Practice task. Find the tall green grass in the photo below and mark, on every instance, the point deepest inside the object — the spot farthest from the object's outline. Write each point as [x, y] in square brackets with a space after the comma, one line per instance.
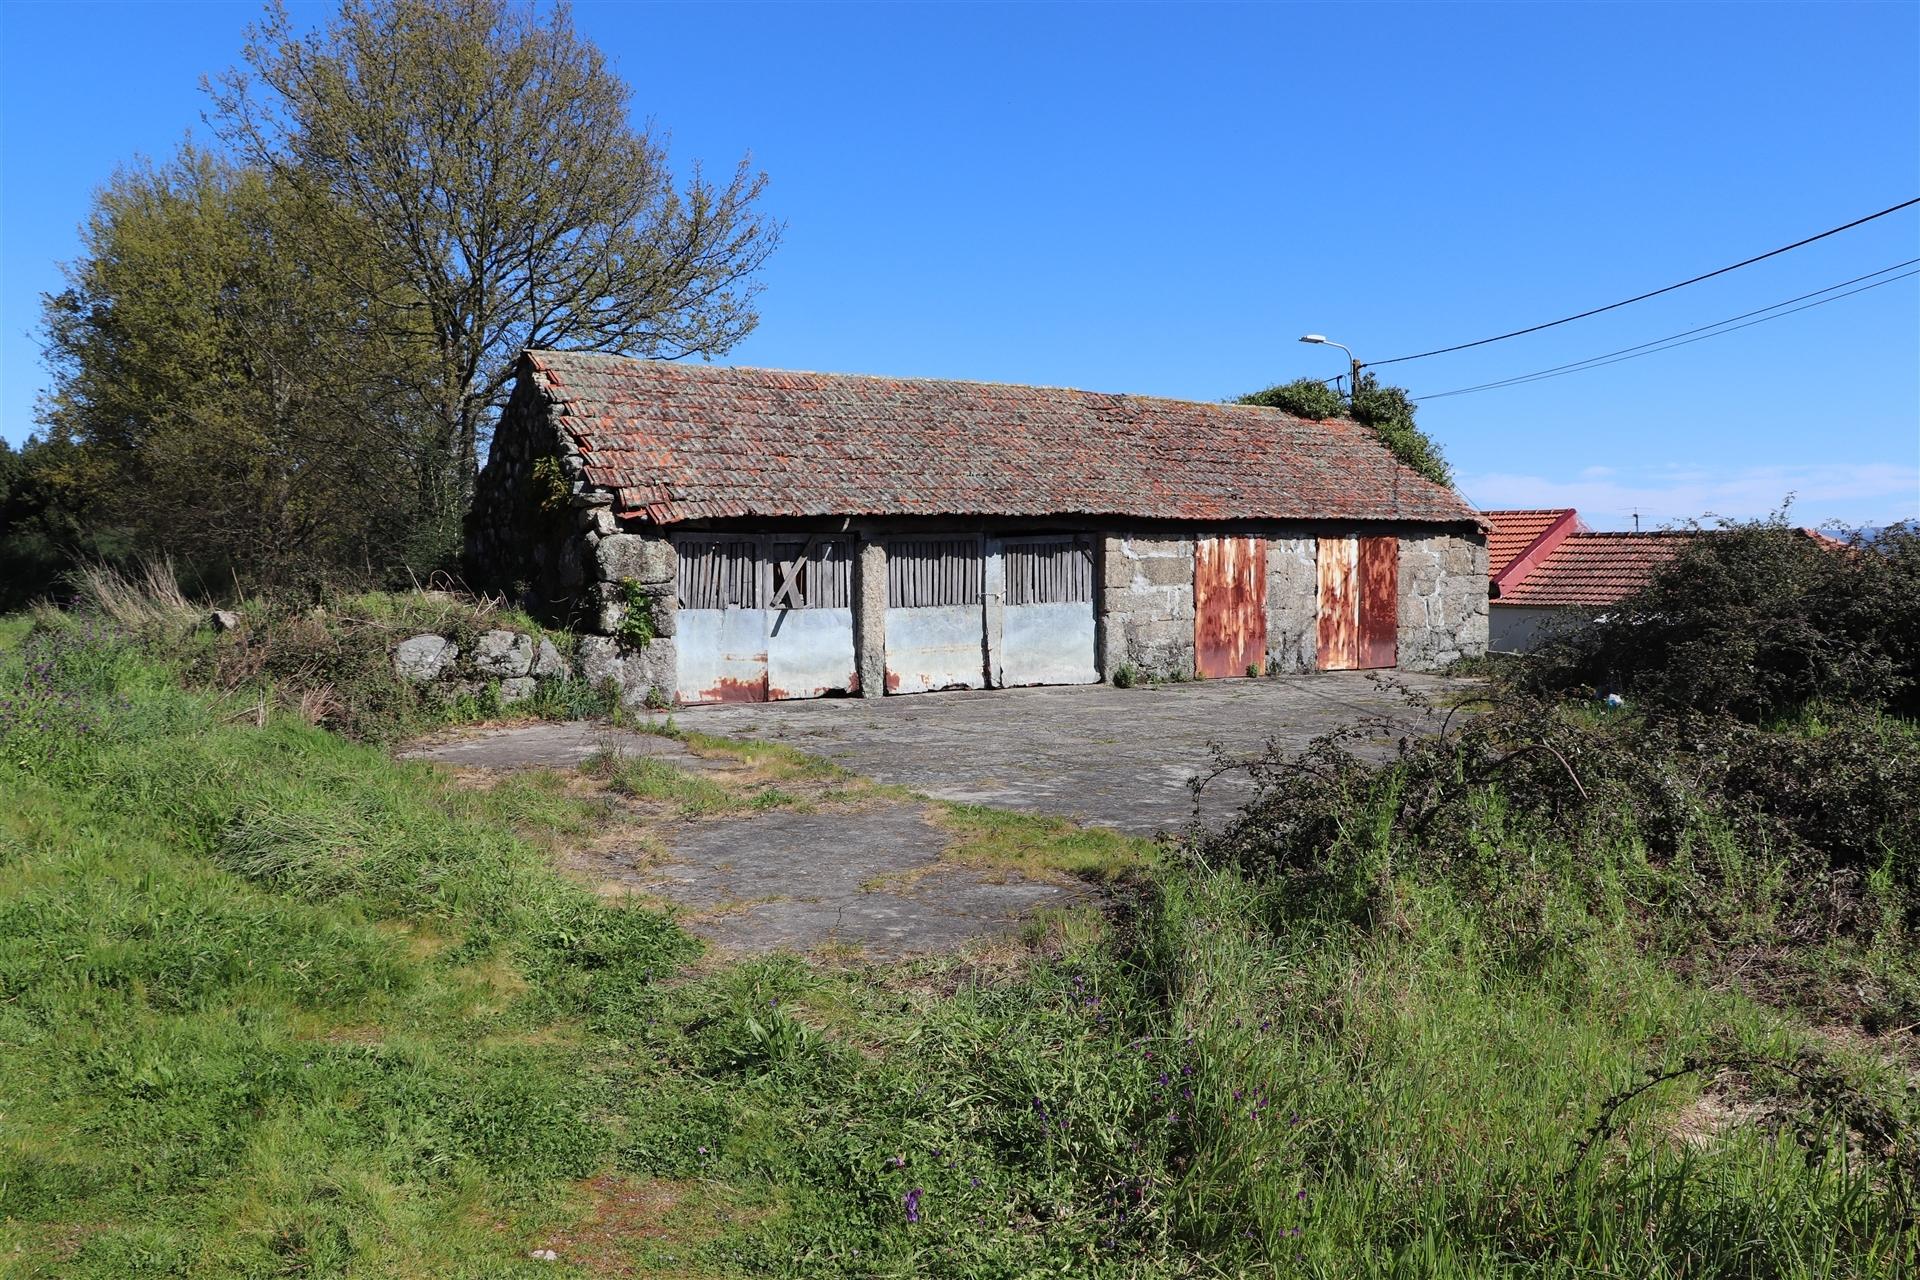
[274, 1004]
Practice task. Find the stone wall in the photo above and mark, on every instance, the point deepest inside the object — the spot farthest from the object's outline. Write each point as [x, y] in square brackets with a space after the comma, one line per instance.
[1146, 604]
[1293, 604]
[549, 539]
[1443, 599]
[512, 664]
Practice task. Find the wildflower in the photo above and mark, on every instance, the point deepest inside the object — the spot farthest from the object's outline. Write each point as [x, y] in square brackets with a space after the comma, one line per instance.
[912, 1203]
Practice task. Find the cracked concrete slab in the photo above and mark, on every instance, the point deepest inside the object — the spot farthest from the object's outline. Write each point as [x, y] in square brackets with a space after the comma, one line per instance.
[873, 877]
[1094, 753]
[548, 744]
[870, 878]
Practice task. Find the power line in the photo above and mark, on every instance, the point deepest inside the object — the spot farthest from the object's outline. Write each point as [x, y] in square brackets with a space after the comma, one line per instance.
[1671, 341]
[1615, 306]
[1576, 364]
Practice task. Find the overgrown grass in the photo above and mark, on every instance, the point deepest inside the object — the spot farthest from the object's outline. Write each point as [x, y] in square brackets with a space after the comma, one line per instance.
[689, 794]
[1037, 844]
[273, 1003]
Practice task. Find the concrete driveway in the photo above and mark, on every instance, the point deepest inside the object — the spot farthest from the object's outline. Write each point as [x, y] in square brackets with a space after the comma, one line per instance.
[1119, 757]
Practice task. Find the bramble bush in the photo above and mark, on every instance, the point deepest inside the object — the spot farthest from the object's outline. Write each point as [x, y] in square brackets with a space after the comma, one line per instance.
[1759, 620]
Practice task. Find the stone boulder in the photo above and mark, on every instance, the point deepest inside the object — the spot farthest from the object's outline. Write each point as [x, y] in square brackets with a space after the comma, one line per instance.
[424, 658]
[506, 654]
[625, 556]
[634, 673]
[547, 662]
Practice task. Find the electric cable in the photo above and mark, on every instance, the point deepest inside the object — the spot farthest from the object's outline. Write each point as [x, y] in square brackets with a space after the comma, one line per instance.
[1615, 306]
[1671, 341]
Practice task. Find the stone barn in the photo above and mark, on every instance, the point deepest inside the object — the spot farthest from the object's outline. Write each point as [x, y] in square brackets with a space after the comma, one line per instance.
[730, 534]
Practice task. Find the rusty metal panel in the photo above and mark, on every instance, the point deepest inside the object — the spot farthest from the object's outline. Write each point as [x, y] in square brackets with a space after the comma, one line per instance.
[721, 655]
[1379, 564]
[1229, 606]
[1339, 630]
[1048, 644]
[936, 616]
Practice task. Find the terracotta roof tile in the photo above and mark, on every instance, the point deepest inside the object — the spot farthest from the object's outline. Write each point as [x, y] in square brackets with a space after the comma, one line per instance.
[1595, 569]
[1513, 532]
[682, 442]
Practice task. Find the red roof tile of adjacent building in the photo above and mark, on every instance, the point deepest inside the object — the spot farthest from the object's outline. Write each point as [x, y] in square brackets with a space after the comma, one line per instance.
[1595, 569]
[1515, 531]
[680, 442]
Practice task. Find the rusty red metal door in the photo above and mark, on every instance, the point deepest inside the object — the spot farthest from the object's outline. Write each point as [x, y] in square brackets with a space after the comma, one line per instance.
[1229, 606]
[1379, 602]
[1359, 625]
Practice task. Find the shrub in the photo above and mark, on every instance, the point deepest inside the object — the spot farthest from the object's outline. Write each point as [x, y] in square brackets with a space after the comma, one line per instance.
[1726, 831]
[1760, 620]
[1303, 398]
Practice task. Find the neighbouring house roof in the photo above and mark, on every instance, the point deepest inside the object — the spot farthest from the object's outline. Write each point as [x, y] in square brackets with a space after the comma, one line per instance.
[1594, 569]
[1513, 533]
[678, 442]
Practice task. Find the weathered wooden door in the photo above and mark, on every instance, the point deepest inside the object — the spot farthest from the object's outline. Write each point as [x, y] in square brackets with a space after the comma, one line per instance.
[1359, 625]
[763, 618]
[1229, 606]
[936, 614]
[1045, 617]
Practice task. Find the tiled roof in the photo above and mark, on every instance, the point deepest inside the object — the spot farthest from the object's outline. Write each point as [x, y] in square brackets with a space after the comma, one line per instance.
[1595, 569]
[1514, 531]
[686, 442]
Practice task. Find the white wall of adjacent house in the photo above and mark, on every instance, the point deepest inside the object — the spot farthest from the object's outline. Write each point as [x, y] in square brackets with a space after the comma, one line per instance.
[1522, 628]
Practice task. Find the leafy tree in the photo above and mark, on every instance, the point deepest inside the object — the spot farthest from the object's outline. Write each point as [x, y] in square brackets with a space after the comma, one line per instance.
[1385, 409]
[502, 199]
[220, 388]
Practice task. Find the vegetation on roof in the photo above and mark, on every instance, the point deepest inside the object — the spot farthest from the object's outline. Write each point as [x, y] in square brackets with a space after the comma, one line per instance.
[1385, 410]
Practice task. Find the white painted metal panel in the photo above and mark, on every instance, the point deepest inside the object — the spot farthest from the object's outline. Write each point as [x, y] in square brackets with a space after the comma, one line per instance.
[936, 616]
[810, 653]
[1048, 644]
[721, 655]
[1046, 627]
[935, 647]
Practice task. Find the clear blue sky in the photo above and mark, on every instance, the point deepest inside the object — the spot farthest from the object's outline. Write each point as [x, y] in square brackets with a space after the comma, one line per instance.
[1161, 199]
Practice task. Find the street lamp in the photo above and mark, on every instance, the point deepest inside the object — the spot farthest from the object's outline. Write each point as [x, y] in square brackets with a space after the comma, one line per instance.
[1353, 361]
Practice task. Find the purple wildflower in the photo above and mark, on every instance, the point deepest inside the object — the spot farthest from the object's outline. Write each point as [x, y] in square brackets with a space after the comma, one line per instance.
[912, 1203]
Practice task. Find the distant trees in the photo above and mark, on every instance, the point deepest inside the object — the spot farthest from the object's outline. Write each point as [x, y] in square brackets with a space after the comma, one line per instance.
[283, 361]
[1384, 409]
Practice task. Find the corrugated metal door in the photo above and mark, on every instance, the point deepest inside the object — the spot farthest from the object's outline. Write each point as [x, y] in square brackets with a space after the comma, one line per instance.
[936, 619]
[763, 618]
[1229, 606]
[1046, 622]
[1359, 603]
